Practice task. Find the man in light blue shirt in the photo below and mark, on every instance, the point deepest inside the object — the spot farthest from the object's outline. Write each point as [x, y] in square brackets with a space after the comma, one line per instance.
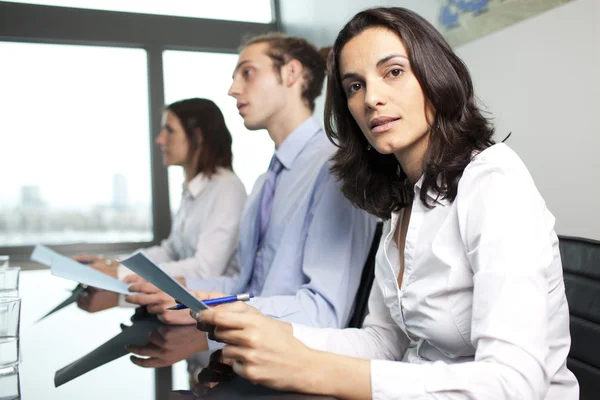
[315, 246]
[307, 266]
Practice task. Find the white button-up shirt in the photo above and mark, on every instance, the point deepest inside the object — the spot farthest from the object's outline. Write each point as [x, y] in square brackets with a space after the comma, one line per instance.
[205, 230]
[482, 296]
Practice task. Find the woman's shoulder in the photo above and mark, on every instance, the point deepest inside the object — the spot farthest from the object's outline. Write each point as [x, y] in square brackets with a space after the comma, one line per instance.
[498, 172]
[227, 178]
[497, 159]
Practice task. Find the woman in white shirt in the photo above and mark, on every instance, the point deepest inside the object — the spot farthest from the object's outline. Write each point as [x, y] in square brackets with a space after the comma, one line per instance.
[204, 232]
[468, 269]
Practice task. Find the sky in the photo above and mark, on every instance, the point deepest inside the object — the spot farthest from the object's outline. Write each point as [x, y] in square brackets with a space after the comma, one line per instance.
[73, 116]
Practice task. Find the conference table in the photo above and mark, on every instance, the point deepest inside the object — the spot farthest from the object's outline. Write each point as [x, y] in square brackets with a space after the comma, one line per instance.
[50, 344]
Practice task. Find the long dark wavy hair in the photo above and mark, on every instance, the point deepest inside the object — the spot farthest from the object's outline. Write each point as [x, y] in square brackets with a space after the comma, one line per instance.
[203, 117]
[375, 182]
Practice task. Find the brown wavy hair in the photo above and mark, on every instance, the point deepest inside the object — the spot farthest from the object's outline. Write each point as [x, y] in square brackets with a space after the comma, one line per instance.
[283, 48]
[204, 115]
[375, 182]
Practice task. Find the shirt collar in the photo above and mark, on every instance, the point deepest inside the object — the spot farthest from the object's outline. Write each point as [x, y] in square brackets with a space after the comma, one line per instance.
[430, 194]
[196, 185]
[291, 147]
[417, 190]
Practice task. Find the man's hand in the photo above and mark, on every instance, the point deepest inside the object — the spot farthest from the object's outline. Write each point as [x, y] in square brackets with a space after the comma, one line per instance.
[158, 301]
[148, 295]
[182, 317]
[167, 345]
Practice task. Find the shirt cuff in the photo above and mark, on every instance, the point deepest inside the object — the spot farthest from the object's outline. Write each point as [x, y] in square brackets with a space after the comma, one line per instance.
[314, 338]
[395, 379]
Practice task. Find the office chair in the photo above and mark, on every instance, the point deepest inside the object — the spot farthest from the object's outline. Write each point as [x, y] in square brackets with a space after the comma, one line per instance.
[581, 269]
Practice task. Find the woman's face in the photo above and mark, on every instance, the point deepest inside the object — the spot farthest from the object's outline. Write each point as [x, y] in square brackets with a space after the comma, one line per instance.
[383, 94]
[172, 140]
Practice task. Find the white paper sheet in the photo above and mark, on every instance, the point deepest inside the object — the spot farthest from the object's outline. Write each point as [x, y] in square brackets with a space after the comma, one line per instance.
[67, 268]
[144, 267]
[43, 254]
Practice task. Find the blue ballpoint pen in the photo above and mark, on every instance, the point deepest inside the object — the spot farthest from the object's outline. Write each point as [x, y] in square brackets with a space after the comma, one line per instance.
[217, 301]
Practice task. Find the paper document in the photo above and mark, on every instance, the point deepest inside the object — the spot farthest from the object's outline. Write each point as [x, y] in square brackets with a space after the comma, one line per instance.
[144, 267]
[43, 254]
[67, 268]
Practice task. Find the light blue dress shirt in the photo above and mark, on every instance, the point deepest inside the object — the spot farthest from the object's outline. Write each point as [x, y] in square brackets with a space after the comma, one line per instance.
[315, 245]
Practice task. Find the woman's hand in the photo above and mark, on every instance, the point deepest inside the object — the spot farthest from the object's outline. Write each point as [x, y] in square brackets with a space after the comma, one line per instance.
[93, 300]
[261, 349]
[107, 266]
[86, 258]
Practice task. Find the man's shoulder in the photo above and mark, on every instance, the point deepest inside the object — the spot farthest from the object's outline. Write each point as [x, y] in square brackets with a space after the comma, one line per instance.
[318, 150]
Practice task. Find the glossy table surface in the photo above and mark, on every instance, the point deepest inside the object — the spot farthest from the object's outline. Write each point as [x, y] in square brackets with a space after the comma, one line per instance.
[67, 335]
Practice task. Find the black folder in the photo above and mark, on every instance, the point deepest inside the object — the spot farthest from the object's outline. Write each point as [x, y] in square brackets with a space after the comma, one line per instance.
[137, 335]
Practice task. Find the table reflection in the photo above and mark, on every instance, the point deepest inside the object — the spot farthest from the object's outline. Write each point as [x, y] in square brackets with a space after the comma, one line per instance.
[69, 334]
[10, 385]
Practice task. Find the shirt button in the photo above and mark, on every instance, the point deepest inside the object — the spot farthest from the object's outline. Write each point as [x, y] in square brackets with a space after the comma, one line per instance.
[258, 254]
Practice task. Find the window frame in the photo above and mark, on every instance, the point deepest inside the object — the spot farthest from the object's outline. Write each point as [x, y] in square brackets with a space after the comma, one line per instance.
[30, 23]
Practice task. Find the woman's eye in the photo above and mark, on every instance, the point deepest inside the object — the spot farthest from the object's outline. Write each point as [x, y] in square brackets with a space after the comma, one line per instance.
[355, 87]
[395, 72]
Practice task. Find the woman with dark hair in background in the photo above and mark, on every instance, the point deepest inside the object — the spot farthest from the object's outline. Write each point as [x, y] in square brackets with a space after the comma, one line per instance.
[204, 232]
[468, 267]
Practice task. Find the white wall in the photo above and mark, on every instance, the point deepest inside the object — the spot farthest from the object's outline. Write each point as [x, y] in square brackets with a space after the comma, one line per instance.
[539, 78]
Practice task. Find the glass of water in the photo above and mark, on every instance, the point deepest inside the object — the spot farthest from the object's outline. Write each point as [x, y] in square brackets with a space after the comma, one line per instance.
[10, 315]
[9, 282]
[10, 388]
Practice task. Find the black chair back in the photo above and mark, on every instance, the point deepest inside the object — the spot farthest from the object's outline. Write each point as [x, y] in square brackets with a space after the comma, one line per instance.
[581, 268]
[361, 301]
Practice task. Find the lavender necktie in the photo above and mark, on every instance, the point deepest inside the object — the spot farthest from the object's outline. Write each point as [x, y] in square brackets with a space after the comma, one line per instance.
[266, 196]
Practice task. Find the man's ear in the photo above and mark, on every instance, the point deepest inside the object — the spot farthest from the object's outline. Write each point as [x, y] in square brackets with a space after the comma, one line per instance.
[293, 72]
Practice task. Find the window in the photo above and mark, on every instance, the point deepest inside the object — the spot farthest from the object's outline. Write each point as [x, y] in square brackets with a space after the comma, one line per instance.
[75, 155]
[81, 110]
[232, 10]
[208, 75]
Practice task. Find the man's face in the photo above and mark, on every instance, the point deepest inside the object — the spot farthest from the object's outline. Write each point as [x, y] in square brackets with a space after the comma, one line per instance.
[257, 87]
